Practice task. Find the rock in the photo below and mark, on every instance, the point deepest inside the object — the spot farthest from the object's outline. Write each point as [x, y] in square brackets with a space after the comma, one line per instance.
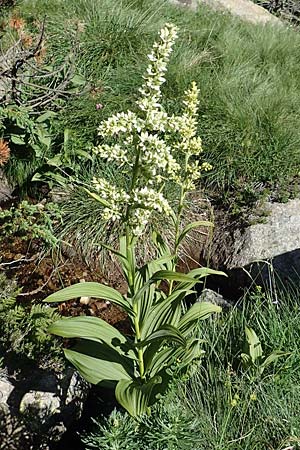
[244, 9]
[272, 246]
[6, 189]
[192, 4]
[41, 406]
[208, 295]
[280, 234]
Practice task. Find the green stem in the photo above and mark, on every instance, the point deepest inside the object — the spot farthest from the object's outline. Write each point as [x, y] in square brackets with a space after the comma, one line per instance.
[138, 339]
[130, 255]
[177, 223]
[130, 250]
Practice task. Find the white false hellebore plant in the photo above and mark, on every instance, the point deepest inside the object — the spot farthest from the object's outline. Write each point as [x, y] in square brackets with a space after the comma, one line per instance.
[163, 333]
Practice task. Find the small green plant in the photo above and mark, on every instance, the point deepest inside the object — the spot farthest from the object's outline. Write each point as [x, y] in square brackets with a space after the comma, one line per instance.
[23, 329]
[253, 358]
[30, 220]
[150, 147]
[29, 136]
[171, 426]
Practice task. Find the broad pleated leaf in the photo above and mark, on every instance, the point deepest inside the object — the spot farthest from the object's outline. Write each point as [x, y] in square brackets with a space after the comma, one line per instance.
[163, 249]
[198, 274]
[199, 311]
[274, 356]
[135, 397]
[92, 328]
[166, 311]
[89, 289]
[182, 356]
[156, 360]
[99, 362]
[171, 276]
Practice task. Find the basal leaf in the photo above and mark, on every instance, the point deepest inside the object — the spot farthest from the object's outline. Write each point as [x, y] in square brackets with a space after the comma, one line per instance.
[85, 327]
[135, 397]
[99, 362]
[255, 348]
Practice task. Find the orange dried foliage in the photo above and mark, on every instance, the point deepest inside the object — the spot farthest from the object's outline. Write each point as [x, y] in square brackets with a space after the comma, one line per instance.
[17, 23]
[40, 55]
[26, 40]
[4, 152]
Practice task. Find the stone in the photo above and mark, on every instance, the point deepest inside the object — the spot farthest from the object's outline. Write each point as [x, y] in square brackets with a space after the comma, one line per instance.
[280, 234]
[6, 389]
[192, 4]
[6, 189]
[208, 295]
[39, 405]
[244, 9]
[271, 247]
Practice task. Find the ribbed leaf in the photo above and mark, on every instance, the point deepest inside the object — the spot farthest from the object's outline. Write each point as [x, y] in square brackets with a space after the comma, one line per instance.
[89, 289]
[165, 332]
[166, 311]
[99, 362]
[92, 328]
[135, 397]
[255, 348]
[198, 274]
[163, 249]
[274, 356]
[158, 360]
[199, 311]
[172, 276]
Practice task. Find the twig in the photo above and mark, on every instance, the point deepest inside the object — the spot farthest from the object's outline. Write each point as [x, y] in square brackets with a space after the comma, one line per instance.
[17, 261]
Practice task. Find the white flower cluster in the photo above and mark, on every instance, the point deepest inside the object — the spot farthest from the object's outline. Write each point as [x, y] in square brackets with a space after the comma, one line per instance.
[112, 153]
[124, 122]
[149, 145]
[156, 157]
[114, 197]
[145, 201]
[155, 74]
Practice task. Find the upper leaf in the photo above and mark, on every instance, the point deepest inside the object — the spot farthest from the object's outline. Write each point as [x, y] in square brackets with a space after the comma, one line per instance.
[199, 311]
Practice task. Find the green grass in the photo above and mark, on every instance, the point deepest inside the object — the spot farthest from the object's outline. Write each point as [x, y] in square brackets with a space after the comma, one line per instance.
[248, 76]
[223, 406]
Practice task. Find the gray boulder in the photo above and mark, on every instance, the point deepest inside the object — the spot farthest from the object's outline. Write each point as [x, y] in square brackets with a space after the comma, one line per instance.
[36, 410]
[271, 247]
[245, 10]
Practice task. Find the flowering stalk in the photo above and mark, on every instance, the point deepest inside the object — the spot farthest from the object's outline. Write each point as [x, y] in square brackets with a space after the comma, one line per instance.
[143, 146]
[149, 147]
